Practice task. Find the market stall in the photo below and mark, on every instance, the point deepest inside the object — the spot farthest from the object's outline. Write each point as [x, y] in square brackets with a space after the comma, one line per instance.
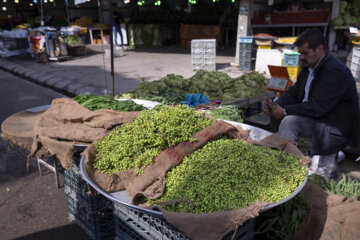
[290, 17]
[75, 39]
[13, 43]
[73, 188]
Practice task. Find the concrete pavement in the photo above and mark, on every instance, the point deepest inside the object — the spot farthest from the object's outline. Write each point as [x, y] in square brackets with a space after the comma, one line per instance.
[91, 73]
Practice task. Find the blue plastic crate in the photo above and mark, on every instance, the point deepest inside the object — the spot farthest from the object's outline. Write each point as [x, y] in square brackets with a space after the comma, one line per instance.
[244, 56]
[79, 190]
[97, 225]
[130, 224]
[147, 227]
[245, 65]
[246, 40]
[291, 60]
[124, 232]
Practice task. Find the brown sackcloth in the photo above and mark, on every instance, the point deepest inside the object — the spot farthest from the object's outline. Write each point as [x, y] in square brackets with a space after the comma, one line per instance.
[329, 216]
[151, 182]
[216, 225]
[56, 130]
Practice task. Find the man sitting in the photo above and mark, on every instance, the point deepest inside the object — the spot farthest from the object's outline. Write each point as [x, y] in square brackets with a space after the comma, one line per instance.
[321, 105]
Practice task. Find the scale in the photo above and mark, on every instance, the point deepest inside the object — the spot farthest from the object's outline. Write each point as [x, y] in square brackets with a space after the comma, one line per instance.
[280, 81]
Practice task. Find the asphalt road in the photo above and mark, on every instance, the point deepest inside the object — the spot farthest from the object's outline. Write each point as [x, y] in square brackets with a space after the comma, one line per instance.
[31, 206]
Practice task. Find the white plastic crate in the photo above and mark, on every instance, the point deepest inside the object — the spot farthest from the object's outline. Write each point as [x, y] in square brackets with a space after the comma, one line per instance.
[354, 62]
[197, 58]
[203, 52]
[197, 43]
[209, 68]
[196, 67]
[210, 44]
[209, 51]
[209, 59]
[197, 50]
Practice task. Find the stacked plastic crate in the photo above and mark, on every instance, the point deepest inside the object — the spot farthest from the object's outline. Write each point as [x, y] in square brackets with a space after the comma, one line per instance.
[203, 54]
[245, 44]
[353, 62]
[292, 62]
[134, 225]
[92, 212]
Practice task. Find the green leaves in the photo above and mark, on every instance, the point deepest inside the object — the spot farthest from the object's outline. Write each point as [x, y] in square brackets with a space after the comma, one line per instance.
[92, 102]
[137, 143]
[214, 85]
[346, 186]
[227, 112]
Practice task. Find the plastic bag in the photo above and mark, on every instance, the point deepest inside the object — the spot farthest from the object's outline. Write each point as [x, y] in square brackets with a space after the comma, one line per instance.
[324, 165]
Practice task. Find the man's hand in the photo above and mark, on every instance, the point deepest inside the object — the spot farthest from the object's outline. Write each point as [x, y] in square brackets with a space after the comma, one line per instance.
[273, 109]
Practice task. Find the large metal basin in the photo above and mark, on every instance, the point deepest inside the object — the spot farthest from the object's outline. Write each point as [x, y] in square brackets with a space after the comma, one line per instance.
[122, 197]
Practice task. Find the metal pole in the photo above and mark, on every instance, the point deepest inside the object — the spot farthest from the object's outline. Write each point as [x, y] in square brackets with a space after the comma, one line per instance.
[112, 48]
[41, 13]
[67, 12]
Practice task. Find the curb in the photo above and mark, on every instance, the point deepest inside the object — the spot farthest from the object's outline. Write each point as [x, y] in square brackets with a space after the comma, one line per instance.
[67, 87]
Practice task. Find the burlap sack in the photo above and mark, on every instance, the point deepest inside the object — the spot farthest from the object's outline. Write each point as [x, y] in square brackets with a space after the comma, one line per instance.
[56, 130]
[151, 183]
[329, 216]
[214, 226]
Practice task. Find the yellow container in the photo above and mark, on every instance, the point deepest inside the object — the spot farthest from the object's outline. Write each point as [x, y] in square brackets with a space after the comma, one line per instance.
[293, 72]
[264, 47]
[83, 30]
[356, 40]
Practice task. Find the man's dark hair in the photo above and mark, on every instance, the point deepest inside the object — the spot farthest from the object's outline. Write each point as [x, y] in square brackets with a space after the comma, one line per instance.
[314, 37]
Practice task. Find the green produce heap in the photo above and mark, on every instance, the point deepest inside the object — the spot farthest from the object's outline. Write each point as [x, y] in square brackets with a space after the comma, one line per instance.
[227, 112]
[92, 103]
[214, 85]
[136, 144]
[349, 13]
[231, 174]
[72, 40]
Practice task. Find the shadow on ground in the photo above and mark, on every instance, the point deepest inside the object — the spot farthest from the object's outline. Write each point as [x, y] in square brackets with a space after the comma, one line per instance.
[67, 232]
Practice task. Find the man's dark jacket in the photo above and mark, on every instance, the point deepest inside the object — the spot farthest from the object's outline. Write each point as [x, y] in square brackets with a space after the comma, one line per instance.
[333, 98]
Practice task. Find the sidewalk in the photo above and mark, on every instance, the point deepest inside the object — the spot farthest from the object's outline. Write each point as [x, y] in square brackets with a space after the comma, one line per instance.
[91, 73]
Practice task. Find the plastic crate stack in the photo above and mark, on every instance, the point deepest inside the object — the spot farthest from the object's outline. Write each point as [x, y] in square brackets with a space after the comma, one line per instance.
[203, 54]
[353, 62]
[292, 62]
[92, 212]
[245, 44]
[134, 225]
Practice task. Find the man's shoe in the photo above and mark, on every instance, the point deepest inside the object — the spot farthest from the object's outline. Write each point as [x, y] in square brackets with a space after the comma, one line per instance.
[340, 156]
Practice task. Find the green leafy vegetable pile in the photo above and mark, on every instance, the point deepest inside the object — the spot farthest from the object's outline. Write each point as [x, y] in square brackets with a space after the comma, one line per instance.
[346, 186]
[214, 85]
[92, 103]
[136, 144]
[349, 13]
[72, 40]
[227, 112]
[230, 174]
[281, 222]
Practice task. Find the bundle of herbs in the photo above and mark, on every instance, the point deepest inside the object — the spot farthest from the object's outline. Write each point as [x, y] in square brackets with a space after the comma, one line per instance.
[92, 103]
